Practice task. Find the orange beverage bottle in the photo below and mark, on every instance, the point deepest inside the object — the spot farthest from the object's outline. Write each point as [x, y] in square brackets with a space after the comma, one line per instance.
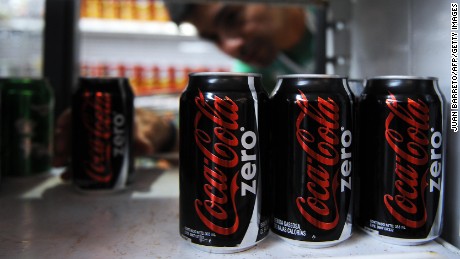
[143, 9]
[84, 69]
[172, 84]
[161, 14]
[186, 71]
[99, 70]
[83, 9]
[92, 70]
[152, 12]
[127, 9]
[109, 9]
[138, 79]
[93, 8]
[121, 70]
[156, 77]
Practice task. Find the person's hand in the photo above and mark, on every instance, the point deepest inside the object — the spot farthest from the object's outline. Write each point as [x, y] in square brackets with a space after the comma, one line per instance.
[151, 133]
[62, 139]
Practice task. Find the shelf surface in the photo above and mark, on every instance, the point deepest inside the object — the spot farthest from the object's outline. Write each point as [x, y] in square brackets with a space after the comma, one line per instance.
[161, 102]
[132, 27]
[22, 24]
[43, 217]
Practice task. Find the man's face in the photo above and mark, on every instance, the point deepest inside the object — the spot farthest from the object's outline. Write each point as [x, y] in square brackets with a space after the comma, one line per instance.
[247, 32]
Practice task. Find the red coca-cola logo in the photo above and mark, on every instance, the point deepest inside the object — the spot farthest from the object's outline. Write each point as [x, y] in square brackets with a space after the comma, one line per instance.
[96, 119]
[214, 211]
[320, 206]
[407, 133]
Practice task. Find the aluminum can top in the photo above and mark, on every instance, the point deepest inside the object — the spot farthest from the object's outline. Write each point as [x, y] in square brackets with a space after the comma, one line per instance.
[400, 84]
[309, 76]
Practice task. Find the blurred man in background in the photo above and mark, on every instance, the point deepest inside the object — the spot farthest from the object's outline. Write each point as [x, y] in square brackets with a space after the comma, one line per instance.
[267, 39]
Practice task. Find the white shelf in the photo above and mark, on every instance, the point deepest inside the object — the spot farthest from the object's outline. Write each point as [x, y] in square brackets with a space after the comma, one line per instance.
[22, 24]
[135, 28]
[43, 217]
[159, 102]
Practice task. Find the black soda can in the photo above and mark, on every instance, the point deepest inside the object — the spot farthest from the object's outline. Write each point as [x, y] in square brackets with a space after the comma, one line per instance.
[222, 136]
[312, 159]
[27, 126]
[102, 118]
[401, 158]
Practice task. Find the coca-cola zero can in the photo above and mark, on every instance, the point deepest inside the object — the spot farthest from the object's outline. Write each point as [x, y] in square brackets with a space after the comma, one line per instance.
[102, 128]
[400, 159]
[222, 135]
[312, 159]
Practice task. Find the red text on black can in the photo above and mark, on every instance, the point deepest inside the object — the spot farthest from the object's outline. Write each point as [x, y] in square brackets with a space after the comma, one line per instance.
[312, 159]
[221, 171]
[102, 119]
[401, 159]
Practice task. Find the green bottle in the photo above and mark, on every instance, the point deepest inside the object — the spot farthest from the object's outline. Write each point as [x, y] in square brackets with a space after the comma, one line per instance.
[26, 126]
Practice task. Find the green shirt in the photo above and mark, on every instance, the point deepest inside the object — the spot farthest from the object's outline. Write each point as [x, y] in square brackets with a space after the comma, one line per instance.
[301, 54]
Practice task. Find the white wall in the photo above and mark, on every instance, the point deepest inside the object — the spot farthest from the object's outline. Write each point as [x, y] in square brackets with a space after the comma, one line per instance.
[410, 37]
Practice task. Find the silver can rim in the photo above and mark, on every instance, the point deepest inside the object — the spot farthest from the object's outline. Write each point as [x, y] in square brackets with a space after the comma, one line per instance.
[224, 74]
[404, 77]
[308, 76]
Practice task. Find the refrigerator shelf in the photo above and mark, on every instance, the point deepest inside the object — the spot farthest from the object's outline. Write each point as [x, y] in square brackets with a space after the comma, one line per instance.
[135, 28]
[44, 217]
[159, 101]
[22, 24]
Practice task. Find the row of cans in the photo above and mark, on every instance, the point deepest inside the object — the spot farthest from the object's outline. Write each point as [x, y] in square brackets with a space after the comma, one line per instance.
[309, 161]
